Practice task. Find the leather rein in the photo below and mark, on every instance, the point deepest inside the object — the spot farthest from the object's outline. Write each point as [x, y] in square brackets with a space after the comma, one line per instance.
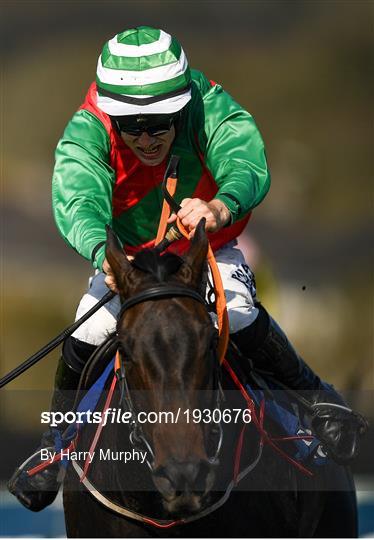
[160, 292]
[136, 435]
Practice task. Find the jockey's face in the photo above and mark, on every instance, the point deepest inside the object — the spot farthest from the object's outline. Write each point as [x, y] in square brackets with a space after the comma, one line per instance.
[150, 149]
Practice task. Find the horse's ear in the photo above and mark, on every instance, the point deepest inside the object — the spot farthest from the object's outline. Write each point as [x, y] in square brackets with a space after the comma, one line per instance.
[192, 273]
[116, 258]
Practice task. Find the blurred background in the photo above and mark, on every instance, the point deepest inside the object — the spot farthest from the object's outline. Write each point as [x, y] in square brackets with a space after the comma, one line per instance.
[304, 70]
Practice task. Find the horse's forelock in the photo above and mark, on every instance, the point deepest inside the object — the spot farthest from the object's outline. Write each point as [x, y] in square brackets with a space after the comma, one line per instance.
[159, 266]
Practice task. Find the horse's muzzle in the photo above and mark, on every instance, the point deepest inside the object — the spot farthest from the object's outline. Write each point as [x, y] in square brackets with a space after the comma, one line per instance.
[183, 484]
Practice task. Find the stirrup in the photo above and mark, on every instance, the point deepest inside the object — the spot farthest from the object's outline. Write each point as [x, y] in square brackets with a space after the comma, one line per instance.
[40, 490]
[339, 429]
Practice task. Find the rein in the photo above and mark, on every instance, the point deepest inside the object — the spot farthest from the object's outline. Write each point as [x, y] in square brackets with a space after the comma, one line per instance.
[157, 293]
[136, 435]
[176, 232]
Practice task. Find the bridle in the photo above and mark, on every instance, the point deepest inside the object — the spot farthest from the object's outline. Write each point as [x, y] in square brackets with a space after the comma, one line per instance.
[157, 293]
[137, 437]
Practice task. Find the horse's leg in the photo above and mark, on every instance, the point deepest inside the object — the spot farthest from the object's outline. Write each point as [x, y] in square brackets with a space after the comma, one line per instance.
[340, 517]
[330, 510]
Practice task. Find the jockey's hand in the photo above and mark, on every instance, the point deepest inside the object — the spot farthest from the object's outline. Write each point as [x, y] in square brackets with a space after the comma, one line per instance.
[110, 280]
[215, 212]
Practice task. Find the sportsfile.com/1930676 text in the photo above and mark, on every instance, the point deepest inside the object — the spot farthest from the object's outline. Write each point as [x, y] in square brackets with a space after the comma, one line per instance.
[114, 415]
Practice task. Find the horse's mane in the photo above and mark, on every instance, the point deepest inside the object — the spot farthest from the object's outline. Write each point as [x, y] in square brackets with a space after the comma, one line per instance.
[159, 266]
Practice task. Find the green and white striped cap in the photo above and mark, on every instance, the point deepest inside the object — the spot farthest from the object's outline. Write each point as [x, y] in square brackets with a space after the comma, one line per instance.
[142, 71]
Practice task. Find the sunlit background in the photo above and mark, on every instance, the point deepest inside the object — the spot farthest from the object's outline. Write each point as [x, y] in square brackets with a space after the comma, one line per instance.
[304, 70]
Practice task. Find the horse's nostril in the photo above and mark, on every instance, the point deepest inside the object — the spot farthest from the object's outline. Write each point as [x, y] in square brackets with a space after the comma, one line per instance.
[183, 476]
[164, 485]
[183, 486]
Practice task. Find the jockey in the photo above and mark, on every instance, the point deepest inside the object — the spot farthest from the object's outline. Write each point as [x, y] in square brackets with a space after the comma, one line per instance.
[145, 105]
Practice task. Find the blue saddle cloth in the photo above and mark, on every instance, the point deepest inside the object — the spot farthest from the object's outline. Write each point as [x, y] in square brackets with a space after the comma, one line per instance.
[293, 421]
[87, 403]
[281, 409]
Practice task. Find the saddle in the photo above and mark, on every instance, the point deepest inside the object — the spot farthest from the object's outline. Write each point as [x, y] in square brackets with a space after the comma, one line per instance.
[318, 431]
[294, 420]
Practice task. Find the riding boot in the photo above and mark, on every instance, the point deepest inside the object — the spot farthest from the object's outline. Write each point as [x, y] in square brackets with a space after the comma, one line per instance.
[336, 426]
[40, 490]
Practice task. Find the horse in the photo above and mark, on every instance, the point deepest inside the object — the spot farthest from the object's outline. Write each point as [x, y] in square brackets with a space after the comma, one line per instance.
[166, 345]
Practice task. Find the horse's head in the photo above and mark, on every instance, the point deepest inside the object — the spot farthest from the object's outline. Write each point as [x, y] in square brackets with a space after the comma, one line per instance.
[167, 345]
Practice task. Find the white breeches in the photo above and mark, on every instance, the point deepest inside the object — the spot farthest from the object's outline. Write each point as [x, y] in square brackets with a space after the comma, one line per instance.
[238, 282]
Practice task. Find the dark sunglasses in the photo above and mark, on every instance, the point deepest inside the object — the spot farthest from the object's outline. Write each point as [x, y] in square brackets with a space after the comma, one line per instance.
[154, 124]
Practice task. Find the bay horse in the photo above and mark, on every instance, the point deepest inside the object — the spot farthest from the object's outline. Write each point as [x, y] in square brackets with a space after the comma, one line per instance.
[166, 344]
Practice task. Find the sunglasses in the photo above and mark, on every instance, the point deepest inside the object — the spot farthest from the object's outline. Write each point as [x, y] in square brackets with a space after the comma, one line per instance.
[153, 125]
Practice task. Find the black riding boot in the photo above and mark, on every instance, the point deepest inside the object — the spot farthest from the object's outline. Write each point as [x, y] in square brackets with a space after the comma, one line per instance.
[337, 427]
[40, 490]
